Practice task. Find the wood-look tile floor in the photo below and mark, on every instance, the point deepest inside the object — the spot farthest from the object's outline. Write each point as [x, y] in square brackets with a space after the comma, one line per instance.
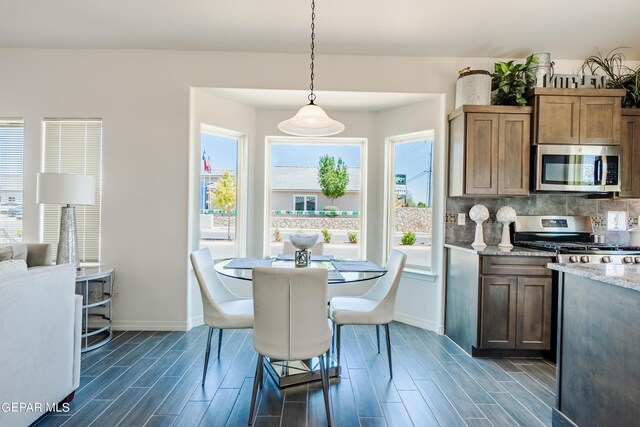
[153, 379]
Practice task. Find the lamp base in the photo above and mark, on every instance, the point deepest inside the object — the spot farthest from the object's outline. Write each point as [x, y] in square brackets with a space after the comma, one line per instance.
[68, 240]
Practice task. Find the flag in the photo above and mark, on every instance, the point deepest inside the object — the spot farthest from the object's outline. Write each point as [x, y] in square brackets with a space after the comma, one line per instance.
[206, 162]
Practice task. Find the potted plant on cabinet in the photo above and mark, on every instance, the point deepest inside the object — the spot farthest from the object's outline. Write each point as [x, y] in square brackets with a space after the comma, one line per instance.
[511, 82]
[619, 75]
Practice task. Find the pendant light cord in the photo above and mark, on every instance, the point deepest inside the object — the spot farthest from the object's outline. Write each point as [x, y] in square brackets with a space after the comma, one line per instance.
[312, 96]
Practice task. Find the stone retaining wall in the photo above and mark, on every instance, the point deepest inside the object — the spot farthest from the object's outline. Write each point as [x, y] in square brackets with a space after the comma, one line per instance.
[417, 220]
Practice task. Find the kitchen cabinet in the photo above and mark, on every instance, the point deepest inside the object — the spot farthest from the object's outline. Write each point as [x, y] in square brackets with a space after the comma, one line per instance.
[500, 305]
[489, 151]
[515, 310]
[630, 141]
[577, 116]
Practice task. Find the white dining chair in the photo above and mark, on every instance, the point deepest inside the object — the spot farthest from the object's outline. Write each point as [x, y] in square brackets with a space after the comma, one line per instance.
[316, 249]
[376, 307]
[290, 309]
[222, 309]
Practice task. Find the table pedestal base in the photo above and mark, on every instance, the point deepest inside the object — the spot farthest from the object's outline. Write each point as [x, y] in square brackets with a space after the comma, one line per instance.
[287, 373]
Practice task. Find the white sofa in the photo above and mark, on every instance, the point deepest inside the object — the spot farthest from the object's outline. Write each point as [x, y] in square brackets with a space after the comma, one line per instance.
[40, 327]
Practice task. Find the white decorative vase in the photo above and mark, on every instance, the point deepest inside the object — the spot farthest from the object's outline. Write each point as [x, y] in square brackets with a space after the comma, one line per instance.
[506, 215]
[479, 214]
[473, 88]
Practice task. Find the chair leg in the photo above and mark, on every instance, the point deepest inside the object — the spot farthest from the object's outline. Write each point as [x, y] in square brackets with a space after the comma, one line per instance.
[378, 337]
[338, 346]
[206, 355]
[325, 386]
[219, 342]
[386, 327]
[333, 338]
[256, 380]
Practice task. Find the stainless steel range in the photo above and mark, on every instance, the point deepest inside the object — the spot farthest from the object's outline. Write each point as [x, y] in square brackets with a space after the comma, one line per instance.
[571, 239]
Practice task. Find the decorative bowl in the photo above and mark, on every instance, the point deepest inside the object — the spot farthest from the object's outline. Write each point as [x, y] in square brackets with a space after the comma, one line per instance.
[303, 241]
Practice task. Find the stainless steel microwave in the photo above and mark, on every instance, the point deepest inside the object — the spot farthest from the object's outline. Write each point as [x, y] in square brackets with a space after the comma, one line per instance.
[581, 168]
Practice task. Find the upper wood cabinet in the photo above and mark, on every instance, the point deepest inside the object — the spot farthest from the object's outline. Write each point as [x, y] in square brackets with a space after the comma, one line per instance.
[577, 116]
[489, 150]
[630, 141]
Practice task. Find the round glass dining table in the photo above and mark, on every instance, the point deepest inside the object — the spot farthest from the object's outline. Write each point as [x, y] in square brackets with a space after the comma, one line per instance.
[335, 277]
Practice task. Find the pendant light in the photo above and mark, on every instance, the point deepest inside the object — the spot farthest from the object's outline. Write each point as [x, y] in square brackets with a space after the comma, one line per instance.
[311, 120]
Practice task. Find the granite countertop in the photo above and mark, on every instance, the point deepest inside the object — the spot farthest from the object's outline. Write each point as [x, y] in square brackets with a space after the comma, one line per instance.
[495, 250]
[625, 276]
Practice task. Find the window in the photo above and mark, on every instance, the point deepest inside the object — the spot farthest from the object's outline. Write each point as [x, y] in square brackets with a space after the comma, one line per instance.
[222, 183]
[75, 146]
[409, 197]
[304, 203]
[332, 210]
[11, 170]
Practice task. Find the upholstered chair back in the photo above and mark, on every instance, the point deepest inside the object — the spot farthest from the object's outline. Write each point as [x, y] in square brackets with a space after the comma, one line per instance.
[212, 290]
[290, 312]
[386, 289]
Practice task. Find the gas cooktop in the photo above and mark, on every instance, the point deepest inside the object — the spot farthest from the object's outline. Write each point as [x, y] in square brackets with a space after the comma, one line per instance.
[581, 247]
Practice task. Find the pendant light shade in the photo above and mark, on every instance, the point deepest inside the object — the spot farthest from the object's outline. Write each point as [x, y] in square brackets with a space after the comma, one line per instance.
[311, 120]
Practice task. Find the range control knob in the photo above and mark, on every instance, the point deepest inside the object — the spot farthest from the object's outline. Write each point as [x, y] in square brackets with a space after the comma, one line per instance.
[637, 260]
[606, 259]
[574, 258]
[627, 260]
[585, 259]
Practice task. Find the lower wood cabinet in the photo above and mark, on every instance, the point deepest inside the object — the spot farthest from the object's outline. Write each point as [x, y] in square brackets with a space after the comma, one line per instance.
[500, 305]
[515, 311]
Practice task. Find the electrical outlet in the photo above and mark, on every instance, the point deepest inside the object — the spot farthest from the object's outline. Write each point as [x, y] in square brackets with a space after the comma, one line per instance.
[462, 218]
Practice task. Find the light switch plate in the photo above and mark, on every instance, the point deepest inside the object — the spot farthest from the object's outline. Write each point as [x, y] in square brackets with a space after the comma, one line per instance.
[462, 218]
[616, 220]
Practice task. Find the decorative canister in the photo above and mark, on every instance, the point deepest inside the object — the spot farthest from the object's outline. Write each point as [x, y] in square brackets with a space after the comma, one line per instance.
[473, 87]
[542, 69]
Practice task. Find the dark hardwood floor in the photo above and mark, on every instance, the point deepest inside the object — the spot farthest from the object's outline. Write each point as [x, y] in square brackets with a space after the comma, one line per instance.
[153, 379]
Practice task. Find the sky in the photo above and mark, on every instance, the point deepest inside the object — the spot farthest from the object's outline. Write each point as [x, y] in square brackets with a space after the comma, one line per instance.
[411, 158]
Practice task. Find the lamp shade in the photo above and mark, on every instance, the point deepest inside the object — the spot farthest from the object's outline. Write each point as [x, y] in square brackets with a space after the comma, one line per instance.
[65, 189]
[311, 120]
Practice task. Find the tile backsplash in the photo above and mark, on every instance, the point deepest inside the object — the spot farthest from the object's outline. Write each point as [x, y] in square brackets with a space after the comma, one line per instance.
[539, 204]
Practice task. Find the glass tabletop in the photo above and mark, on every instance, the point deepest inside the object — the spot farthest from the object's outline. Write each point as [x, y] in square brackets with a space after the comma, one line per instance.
[335, 277]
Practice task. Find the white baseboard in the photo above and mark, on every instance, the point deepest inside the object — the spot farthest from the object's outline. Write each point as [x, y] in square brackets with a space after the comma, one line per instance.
[157, 325]
[196, 321]
[418, 322]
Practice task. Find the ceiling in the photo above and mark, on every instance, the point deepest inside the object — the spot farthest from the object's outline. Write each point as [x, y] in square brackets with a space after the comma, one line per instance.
[568, 29]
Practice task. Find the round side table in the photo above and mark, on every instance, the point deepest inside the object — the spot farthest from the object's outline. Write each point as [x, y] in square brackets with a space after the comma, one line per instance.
[95, 284]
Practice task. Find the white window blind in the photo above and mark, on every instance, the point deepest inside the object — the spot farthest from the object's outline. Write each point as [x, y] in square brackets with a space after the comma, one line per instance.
[75, 146]
[11, 170]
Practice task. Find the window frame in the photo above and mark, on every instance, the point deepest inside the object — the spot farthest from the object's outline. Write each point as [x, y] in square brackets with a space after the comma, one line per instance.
[98, 189]
[242, 181]
[287, 140]
[17, 122]
[389, 198]
[306, 200]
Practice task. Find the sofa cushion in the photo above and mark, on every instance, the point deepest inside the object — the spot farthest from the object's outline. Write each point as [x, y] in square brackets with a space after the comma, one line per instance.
[12, 266]
[6, 252]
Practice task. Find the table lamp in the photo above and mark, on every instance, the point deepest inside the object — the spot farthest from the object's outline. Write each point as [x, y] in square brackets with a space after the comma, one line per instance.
[66, 189]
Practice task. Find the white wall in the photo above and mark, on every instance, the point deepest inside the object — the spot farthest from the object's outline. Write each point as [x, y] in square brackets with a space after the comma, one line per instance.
[143, 97]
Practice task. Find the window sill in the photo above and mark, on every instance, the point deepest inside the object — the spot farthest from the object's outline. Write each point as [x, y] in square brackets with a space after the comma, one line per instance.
[417, 274]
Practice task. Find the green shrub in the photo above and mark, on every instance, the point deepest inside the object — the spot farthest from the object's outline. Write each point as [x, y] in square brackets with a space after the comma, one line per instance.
[276, 235]
[352, 236]
[326, 235]
[330, 208]
[408, 238]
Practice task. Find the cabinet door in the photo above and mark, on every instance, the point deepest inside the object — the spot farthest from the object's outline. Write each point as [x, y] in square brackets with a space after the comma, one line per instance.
[600, 120]
[498, 312]
[482, 154]
[558, 119]
[534, 313]
[514, 146]
[630, 168]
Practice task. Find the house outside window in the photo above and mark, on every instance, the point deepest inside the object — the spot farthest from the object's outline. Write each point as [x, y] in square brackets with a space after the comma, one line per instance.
[305, 203]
